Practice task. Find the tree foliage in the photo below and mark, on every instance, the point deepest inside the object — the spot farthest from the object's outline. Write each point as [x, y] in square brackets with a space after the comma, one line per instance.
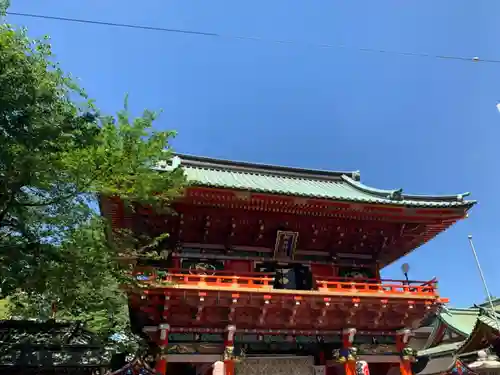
[4, 5]
[58, 153]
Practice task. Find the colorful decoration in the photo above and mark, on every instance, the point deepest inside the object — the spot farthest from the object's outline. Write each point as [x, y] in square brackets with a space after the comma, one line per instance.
[345, 354]
[362, 368]
[206, 267]
[181, 349]
[460, 369]
[377, 349]
[202, 269]
[409, 354]
[229, 354]
[355, 272]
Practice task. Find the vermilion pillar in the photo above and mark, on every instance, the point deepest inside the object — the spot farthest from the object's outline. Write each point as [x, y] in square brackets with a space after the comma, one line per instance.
[229, 350]
[161, 361]
[402, 339]
[347, 343]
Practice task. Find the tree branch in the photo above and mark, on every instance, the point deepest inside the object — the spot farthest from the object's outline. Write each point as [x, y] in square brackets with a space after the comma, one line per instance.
[49, 202]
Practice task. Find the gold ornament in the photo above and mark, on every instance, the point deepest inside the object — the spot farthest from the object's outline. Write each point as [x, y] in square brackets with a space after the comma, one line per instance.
[409, 354]
[229, 352]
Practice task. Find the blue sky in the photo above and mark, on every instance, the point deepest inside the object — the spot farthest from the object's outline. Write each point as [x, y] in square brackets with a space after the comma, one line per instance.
[424, 124]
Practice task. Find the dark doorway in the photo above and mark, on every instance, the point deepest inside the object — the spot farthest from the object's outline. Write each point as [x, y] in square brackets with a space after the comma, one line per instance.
[288, 276]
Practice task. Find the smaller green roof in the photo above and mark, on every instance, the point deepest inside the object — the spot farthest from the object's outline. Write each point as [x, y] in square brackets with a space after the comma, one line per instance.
[461, 320]
[440, 349]
[486, 305]
[339, 186]
[486, 319]
[490, 321]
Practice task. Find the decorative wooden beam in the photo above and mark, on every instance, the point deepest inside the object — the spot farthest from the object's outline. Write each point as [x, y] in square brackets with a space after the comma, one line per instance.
[295, 309]
[324, 310]
[257, 249]
[232, 229]
[165, 312]
[262, 331]
[232, 308]
[267, 302]
[201, 306]
[262, 202]
[181, 227]
[260, 231]
[206, 229]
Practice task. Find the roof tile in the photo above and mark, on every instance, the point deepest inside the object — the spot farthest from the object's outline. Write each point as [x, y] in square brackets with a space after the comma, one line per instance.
[461, 320]
[340, 186]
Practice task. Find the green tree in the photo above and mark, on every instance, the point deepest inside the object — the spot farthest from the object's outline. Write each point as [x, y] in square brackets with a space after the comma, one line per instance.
[4, 309]
[57, 155]
[4, 5]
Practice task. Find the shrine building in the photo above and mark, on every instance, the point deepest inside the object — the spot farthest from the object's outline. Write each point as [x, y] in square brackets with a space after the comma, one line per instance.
[273, 270]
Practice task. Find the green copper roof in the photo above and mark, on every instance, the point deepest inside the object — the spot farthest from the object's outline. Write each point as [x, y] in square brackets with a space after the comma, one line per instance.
[460, 320]
[486, 319]
[489, 321]
[339, 186]
[440, 349]
[464, 322]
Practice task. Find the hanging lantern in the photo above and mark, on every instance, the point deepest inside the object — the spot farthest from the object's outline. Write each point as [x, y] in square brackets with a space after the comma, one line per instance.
[218, 368]
[362, 368]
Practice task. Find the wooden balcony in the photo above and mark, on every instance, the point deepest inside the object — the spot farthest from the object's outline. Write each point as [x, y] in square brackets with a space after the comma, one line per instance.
[226, 281]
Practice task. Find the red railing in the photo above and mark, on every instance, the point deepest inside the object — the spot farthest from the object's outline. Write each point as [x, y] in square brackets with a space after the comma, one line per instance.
[265, 281]
[416, 288]
[215, 278]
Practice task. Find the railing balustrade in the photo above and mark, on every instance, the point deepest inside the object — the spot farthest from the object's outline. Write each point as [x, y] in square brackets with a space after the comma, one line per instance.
[265, 281]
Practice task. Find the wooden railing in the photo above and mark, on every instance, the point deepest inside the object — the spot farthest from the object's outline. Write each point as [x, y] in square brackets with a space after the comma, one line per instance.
[216, 278]
[264, 281]
[419, 288]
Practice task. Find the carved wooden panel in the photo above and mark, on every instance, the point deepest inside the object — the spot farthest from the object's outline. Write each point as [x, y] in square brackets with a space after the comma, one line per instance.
[276, 366]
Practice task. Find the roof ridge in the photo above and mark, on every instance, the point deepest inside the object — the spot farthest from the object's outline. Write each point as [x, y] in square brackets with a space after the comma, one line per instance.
[399, 192]
[350, 177]
[441, 348]
[263, 168]
[462, 309]
[316, 184]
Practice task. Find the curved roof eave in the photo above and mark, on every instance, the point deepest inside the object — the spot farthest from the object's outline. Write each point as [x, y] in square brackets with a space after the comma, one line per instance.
[467, 325]
[340, 186]
[436, 328]
[446, 319]
[440, 350]
[475, 332]
[387, 194]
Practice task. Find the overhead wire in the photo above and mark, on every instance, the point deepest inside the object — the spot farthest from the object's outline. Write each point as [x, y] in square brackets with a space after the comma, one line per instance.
[474, 59]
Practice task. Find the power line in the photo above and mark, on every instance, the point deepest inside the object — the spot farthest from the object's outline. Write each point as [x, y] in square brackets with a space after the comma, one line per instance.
[226, 36]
